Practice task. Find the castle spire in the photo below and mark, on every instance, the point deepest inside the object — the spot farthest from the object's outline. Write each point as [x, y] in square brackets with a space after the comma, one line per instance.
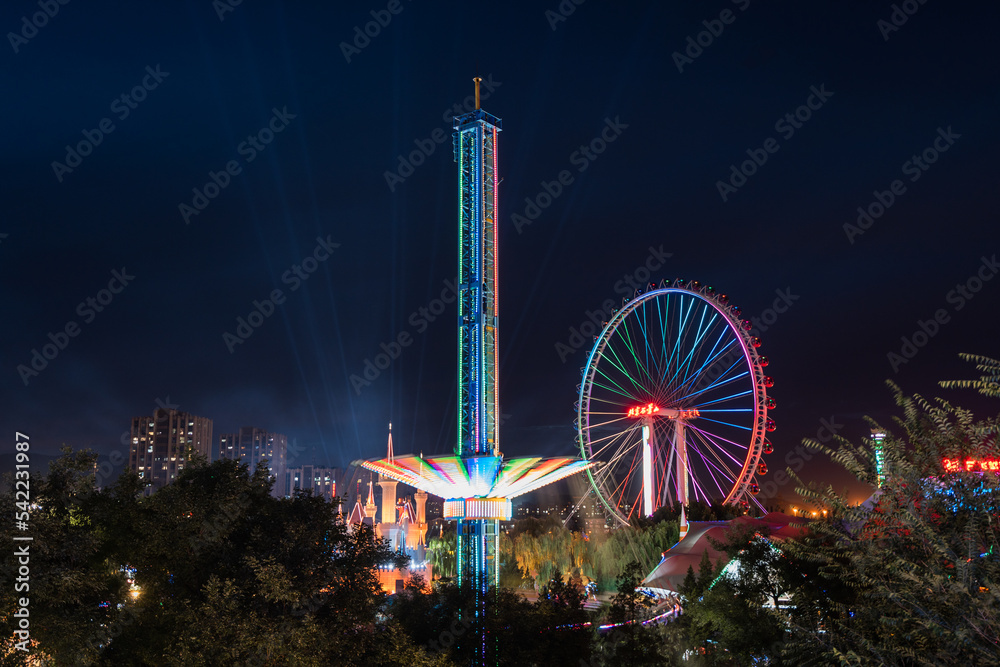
[389, 457]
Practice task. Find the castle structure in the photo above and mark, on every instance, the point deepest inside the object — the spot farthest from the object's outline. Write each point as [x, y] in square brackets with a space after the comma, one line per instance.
[402, 522]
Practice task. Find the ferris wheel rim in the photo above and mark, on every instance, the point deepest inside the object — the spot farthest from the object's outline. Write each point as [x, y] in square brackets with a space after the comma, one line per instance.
[741, 487]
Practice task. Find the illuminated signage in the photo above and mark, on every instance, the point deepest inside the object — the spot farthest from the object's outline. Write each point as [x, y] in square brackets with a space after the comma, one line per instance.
[644, 410]
[477, 508]
[651, 409]
[971, 465]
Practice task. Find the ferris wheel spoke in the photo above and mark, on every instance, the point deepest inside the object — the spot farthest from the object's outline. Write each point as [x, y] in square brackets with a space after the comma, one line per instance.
[712, 356]
[653, 324]
[623, 451]
[628, 339]
[682, 332]
[699, 493]
[605, 407]
[723, 399]
[599, 425]
[618, 389]
[685, 364]
[643, 326]
[609, 401]
[723, 470]
[664, 323]
[710, 363]
[717, 437]
[611, 459]
[723, 376]
[618, 443]
[618, 493]
[703, 329]
[711, 473]
[615, 362]
[668, 334]
[618, 432]
[715, 448]
[620, 365]
[745, 428]
[715, 481]
[719, 383]
[735, 370]
[602, 477]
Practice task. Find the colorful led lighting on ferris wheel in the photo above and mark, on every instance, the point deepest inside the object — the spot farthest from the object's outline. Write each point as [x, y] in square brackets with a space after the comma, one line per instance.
[673, 403]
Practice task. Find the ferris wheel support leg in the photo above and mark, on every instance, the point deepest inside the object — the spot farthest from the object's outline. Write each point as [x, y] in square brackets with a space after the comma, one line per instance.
[647, 471]
[682, 467]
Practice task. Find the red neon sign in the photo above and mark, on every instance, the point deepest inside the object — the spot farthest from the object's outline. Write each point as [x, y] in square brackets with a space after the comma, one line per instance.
[643, 410]
[971, 465]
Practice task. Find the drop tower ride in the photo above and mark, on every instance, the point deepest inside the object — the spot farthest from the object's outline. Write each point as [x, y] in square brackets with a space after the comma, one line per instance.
[477, 484]
[475, 144]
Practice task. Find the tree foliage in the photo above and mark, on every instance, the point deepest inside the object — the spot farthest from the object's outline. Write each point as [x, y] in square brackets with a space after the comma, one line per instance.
[912, 576]
[908, 578]
[226, 574]
[629, 641]
[518, 632]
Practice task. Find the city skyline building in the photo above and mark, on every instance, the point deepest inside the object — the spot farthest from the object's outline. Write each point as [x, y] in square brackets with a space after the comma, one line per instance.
[160, 445]
[251, 445]
[321, 480]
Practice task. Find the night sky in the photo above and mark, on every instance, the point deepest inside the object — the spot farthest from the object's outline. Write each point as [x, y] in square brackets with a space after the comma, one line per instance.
[309, 122]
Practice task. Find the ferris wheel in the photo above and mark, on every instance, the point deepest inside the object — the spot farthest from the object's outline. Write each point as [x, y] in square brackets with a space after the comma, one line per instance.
[673, 404]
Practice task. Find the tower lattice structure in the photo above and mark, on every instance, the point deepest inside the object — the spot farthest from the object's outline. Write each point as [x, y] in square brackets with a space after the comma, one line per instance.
[475, 143]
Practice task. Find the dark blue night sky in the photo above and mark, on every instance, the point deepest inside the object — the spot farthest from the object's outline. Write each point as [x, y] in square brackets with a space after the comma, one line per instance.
[300, 141]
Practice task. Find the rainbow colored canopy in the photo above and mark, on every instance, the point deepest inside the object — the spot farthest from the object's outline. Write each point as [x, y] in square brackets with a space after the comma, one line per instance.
[477, 477]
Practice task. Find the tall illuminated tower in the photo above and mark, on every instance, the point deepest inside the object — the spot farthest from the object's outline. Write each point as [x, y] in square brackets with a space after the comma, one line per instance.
[475, 142]
[476, 483]
[877, 438]
[476, 153]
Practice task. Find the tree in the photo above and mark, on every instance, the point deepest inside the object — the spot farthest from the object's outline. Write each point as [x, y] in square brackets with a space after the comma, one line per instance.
[644, 543]
[730, 612]
[913, 575]
[73, 587]
[269, 581]
[559, 618]
[441, 552]
[629, 642]
[987, 385]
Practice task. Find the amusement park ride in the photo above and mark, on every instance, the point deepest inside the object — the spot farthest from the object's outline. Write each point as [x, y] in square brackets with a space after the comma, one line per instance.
[477, 483]
[673, 395]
